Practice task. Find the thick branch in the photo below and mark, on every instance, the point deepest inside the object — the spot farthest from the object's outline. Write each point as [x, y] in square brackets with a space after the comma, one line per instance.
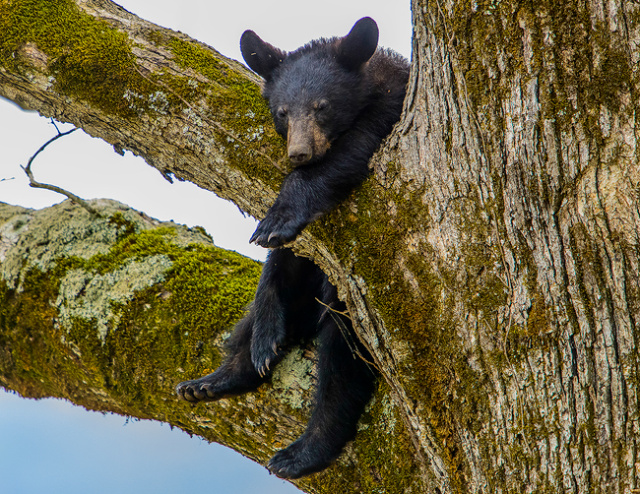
[188, 111]
[112, 311]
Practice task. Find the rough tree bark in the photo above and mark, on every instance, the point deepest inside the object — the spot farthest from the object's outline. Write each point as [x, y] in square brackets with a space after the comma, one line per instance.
[490, 263]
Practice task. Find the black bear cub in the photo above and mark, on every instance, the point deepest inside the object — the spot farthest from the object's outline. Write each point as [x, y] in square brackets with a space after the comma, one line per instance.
[334, 100]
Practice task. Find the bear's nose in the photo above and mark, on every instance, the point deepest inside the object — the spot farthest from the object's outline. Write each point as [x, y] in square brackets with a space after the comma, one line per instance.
[299, 154]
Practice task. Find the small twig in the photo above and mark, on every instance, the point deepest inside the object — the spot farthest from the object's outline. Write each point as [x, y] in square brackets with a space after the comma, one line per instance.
[328, 307]
[53, 122]
[35, 184]
[353, 346]
[7, 179]
[42, 148]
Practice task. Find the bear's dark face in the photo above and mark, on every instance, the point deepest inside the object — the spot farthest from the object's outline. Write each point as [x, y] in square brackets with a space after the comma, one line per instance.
[312, 104]
[314, 92]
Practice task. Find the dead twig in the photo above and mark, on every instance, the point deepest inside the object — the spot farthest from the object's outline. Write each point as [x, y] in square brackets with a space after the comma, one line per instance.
[55, 188]
[346, 334]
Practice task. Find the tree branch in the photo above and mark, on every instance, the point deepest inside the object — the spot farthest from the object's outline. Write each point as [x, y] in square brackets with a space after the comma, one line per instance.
[116, 309]
[55, 188]
[187, 110]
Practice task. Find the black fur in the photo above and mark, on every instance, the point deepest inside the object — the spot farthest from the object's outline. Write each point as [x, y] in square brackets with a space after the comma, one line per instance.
[363, 100]
[334, 100]
[300, 303]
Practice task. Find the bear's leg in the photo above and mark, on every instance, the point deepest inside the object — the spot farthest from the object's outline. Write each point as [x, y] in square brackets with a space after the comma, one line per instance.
[285, 297]
[345, 385]
[284, 308]
[236, 375]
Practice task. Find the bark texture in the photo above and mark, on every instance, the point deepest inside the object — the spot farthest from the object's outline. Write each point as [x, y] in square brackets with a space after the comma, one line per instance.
[520, 141]
[490, 264]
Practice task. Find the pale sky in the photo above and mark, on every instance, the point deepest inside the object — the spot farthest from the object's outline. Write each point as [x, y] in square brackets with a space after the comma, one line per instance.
[51, 446]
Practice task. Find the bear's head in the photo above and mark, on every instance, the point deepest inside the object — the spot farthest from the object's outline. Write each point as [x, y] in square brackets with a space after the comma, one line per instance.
[316, 92]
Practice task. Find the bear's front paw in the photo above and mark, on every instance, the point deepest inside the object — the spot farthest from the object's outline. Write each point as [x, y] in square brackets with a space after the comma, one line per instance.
[264, 354]
[278, 227]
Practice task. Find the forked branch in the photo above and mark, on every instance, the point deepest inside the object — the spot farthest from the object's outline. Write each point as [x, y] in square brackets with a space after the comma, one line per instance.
[38, 185]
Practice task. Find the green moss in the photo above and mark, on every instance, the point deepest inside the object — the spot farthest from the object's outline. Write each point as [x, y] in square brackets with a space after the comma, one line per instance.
[574, 84]
[160, 328]
[489, 52]
[235, 102]
[237, 94]
[205, 283]
[125, 226]
[210, 286]
[386, 428]
[39, 363]
[86, 57]
[135, 245]
[415, 298]
[193, 56]
[204, 294]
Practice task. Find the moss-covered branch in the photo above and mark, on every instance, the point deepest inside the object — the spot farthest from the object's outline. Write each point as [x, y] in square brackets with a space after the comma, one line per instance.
[189, 111]
[112, 312]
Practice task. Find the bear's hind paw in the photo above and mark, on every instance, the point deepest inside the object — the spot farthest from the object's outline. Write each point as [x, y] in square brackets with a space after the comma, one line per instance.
[299, 459]
[196, 390]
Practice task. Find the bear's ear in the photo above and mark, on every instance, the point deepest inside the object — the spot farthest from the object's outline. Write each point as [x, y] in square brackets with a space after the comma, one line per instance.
[359, 45]
[261, 57]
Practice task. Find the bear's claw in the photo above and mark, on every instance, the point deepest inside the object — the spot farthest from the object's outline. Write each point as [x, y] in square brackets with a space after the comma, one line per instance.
[195, 391]
[265, 353]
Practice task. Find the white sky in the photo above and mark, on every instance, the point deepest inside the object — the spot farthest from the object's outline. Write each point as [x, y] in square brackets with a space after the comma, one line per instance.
[90, 168]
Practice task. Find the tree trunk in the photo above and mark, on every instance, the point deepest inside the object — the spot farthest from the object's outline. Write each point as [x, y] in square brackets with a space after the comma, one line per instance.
[490, 264]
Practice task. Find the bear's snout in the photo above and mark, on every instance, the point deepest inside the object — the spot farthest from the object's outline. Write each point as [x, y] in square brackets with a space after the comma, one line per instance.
[305, 140]
[300, 153]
